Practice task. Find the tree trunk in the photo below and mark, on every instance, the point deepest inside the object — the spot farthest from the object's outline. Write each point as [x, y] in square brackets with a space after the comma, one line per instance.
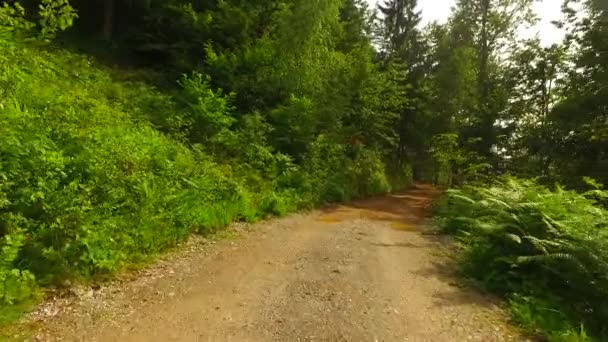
[484, 53]
[108, 19]
[487, 119]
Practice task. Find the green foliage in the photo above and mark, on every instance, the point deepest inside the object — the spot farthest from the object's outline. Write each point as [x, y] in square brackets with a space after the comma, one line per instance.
[326, 166]
[368, 174]
[12, 20]
[454, 164]
[538, 316]
[577, 131]
[15, 285]
[294, 124]
[88, 186]
[335, 178]
[98, 170]
[552, 246]
[209, 113]
[447, 155]
[94, 187]
[55, 15]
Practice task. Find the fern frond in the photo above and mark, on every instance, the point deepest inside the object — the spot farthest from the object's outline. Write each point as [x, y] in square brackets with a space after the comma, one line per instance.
[545, 258]
[514, 238]
[462, 198]
[499, 202]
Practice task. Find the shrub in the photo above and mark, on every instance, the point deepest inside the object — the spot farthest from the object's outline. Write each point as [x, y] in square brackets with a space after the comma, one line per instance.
[520, 237]
[335, 177]
[325, 166]
[401, 177]
[15, 285]
[98, 172]
[208, 116]
[368, 174]
[85, 179]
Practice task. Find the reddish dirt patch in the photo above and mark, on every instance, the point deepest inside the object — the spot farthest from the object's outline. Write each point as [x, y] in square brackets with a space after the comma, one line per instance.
[403, 209]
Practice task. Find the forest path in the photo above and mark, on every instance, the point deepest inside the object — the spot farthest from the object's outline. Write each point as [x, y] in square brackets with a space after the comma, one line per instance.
[365, 271]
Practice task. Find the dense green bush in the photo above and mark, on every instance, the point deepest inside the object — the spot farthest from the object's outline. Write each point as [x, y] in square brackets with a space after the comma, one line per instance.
[89, 182]
[368, 175]
[15, 285]
[91, 185]
[87, 185]
[100, 168]
[331, 177]
[546, 248]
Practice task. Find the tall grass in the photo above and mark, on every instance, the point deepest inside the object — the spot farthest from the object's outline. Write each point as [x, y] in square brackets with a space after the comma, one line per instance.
[547, 250]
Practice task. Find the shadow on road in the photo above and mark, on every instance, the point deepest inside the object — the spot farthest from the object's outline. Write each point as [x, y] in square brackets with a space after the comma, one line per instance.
[409, 212]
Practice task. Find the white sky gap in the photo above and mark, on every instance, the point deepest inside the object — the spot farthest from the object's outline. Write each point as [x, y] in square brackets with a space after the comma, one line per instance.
[547, 10]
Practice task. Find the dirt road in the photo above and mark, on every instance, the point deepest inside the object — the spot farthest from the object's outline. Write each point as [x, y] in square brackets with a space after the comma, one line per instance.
[360, 272]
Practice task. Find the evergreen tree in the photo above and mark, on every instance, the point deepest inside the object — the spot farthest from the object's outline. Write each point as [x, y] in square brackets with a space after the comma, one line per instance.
[399, 29]
[403, 48]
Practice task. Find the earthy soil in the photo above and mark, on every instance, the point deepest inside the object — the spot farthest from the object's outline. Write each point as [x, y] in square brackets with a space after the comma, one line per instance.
[366, 271]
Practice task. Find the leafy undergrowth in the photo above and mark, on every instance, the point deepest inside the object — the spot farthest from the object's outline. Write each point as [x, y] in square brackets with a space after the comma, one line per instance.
[545, 250]
[98, 172]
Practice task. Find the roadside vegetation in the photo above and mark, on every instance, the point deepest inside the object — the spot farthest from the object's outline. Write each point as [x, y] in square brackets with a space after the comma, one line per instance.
[126, 126]
[103, 166]
[545, 249]
[539, 237]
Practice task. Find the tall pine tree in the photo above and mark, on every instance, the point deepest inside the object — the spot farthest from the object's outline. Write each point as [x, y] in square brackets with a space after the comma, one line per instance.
[402, 47]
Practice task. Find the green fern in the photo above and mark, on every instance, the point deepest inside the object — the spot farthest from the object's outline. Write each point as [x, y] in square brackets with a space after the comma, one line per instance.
[521, 237]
